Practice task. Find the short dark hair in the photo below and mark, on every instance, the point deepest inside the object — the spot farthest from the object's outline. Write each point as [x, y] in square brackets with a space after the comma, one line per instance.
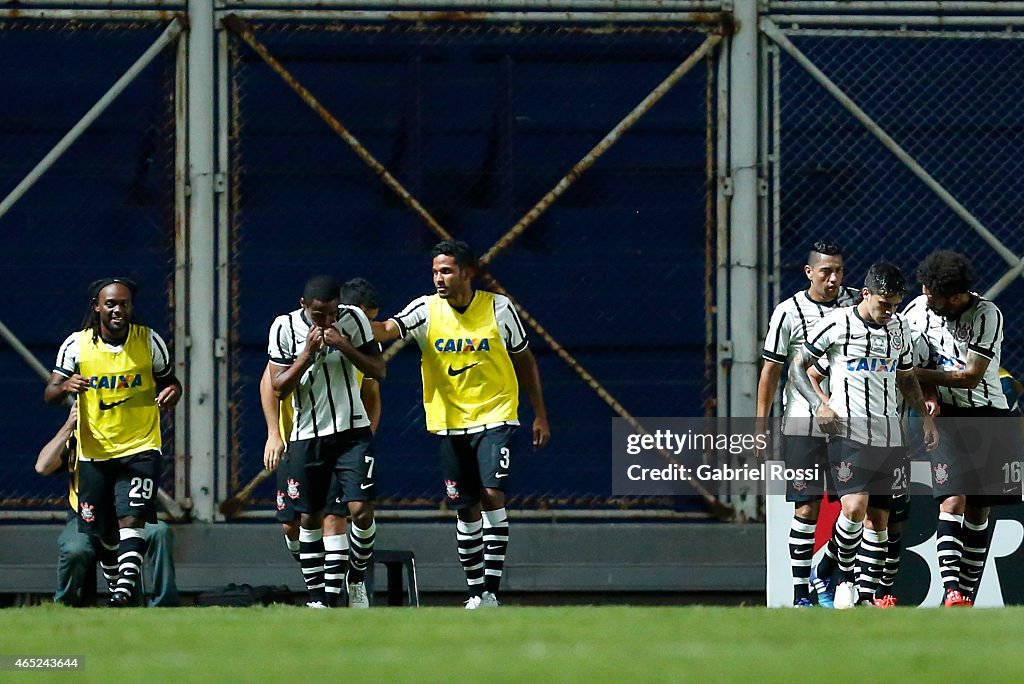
[360, 292]
[321, 287]
[458, 250]
[945, 273]
[885, 279]
[824, 247]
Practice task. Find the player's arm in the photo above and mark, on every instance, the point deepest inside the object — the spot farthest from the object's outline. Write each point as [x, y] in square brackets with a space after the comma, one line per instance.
[369, 392]
[528, 375]
[799, 375]
[53, 456]
[968, 378]
[910, 388]
[274, 447]
[168, 391]
[285, 375]
[168, 388]
[386, 331]
[352, 335]
[58, 387]
[767, 386]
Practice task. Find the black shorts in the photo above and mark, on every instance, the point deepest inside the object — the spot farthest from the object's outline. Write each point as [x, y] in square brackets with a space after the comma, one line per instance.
[285, 501]
[900, 511]
[315, 463]
[979, 455]
[879, 471]
[805, 453]
[471, 463]
[117, 488]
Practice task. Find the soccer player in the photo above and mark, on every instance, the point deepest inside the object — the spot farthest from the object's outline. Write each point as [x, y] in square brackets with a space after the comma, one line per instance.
[77, 553]
[279, 418]
[868, 354]
[315, 354]
[965, 332]
[121, 373]
[803, 447]
[474, 357]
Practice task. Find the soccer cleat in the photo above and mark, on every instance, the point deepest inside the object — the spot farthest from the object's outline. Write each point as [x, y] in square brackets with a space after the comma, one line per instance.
[803, 602]
[489, 600]
[315, 604]
[357, 597]
[473, 603]
[887, 601]
[954, 599]
[866, 603]
[120, 600]
[824, 591]
[845, 596]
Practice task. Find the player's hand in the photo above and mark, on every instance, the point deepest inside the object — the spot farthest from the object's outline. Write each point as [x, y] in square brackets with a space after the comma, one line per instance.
[168, 397]
[541, 432]
[334, 338]
[827, 419]
[314, 341]
[73, 414]
[931, 406]
[76, 384]
[272, 451]
[760, 428]
[931, 434]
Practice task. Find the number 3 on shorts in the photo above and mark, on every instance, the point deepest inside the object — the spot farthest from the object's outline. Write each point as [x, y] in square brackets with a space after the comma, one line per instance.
[505, 458]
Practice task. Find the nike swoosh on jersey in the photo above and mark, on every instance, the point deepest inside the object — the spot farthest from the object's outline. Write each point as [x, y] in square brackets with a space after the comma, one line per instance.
[452, 372]
[104, 406]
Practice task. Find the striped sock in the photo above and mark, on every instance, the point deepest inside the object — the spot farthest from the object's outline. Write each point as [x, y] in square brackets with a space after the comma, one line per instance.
[108, 563]
[129, 561]
[893, 549]
[949, 547]
[972, 563]
[360, 549]
[469, 536]
[495, 546]
[847, 535]
[871, 558]
[336, 548]
[311, 557]
[801, 549]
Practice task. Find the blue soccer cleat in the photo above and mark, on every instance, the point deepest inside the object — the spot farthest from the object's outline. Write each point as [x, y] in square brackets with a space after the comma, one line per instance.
[824, 589]
[803, 602]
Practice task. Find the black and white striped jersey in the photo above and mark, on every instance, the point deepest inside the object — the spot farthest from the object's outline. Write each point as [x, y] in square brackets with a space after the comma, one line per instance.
[863, 358]
[792, 319]
[326, 400]
[979, 329]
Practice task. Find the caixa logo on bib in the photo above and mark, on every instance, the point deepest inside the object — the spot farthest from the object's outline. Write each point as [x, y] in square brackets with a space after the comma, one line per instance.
[462, 344]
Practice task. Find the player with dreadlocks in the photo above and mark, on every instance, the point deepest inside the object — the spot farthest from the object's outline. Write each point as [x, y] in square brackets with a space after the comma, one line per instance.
[121, 374]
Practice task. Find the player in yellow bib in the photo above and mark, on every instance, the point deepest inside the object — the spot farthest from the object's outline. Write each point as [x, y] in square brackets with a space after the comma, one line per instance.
[122, 376]
[474, 358]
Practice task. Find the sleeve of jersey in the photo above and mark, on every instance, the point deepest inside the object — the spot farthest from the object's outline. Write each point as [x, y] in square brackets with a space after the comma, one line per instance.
[821, 365]
[776, 342]
[280, 346]
[161, 357]
[820, 338]
[511, 327]
[906, 359]
[413, 318]
[354, 323]
[987, 332]
[67, 357]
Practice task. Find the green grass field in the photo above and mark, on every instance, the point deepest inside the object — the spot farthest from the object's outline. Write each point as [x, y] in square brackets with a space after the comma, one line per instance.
[565, 644]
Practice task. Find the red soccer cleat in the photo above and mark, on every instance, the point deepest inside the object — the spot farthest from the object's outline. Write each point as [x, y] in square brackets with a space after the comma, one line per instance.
[954, 599]
[887, 601]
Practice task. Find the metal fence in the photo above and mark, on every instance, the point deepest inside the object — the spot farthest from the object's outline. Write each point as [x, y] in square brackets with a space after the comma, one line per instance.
[574, 157]
[87, 177]
[897, 142]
